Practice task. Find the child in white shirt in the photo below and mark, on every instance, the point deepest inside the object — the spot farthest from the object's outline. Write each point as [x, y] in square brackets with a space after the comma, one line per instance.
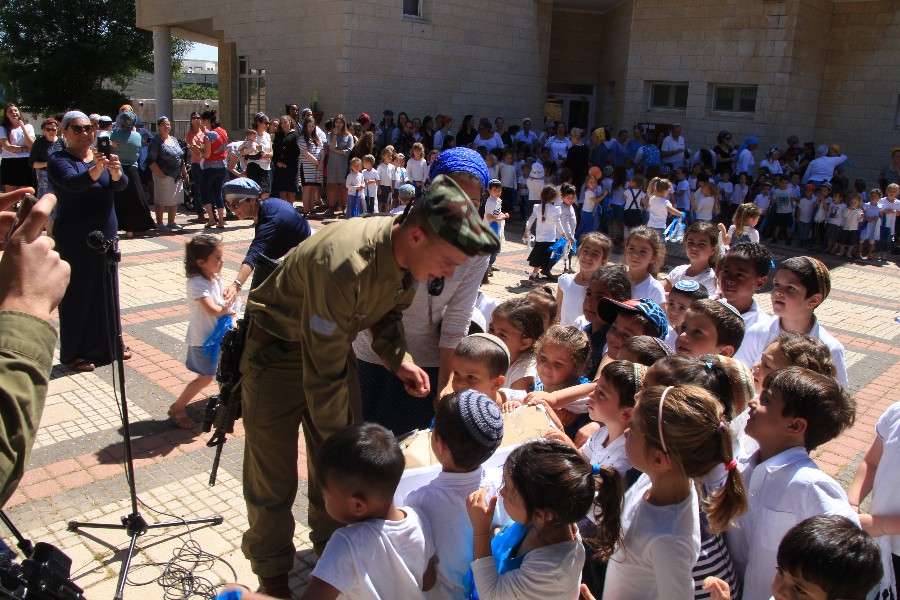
[890, 204]
[806, 212]
[386, 173]
[823, 209]
[400, 174]
[535, 184]
[467, 430]
[658, 205]
[546, 218]
[725, 188]
[417, 168]
[797, 411]
[850, 235]
[356, 189]
[643, 248]
[384, 551]
[835, 224]
[372, 178]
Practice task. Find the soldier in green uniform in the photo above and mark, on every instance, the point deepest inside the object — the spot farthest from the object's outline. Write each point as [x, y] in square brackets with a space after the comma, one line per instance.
[298, 365]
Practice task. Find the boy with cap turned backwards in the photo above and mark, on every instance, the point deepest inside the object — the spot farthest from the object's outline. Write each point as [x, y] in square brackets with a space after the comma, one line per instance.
[468, 428]
[298, 364]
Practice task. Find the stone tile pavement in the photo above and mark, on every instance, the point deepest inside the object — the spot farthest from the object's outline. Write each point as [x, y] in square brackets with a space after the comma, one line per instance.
[76, 470]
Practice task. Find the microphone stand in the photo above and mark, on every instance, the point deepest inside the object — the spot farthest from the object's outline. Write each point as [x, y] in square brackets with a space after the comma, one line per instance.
[134, 524]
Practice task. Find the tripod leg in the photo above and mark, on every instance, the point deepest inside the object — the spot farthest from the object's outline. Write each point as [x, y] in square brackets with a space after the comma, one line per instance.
[123, 574]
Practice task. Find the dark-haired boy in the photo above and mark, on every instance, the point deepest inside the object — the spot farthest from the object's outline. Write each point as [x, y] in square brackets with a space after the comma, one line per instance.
[468, 429]
[742, 272]
[630, 318]
[609, 281]
[480, 362]
[797, 411]
[383, 551]
[681, 296]
[710, 327]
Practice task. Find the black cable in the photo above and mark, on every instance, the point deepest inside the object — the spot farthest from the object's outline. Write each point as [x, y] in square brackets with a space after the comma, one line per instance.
[181, 578]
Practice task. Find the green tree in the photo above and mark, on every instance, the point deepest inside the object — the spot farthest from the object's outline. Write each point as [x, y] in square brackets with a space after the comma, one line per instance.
[56, 55]
[196, 91]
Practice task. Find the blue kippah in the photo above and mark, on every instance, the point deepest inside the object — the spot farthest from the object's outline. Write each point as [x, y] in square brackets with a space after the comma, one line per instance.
[482, 417]
[687, 285]
[460, 159]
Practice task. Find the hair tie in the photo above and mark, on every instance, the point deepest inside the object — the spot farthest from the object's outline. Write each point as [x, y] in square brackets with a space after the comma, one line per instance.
[595, 470]
[730, 465]
[662, 401]
[709, 365]
[721, 426]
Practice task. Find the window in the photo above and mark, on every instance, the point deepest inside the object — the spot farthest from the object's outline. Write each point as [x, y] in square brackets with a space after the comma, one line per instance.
[668, 96]
[735, 99]
[412, 8]
[251, 92]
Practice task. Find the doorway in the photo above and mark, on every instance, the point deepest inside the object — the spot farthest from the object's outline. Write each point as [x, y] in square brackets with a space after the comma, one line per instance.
[573, 104]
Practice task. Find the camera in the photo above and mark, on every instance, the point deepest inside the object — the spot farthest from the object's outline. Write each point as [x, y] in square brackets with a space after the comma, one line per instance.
[45, 575]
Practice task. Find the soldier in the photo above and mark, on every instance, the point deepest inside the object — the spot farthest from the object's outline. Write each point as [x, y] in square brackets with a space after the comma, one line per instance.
[298, 363]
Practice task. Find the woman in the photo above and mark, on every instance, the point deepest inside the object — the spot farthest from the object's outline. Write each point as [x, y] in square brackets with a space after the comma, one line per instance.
[132, 210]
[215, 144]
[258, 168]
[725, 154]
[444, 122]
[744, 161]
[558, 144]
[312, 159]
[166, 161]
[16, 139]
[577, 159]
[194, 140]
[405, 139]
[636, 142]
[426, 133]
[435, 322]
[891, 172]
[285, 155]
[340, 143]
[84, 183]
[365, 145]
[487, 137]
[41, 150]
[466, 133]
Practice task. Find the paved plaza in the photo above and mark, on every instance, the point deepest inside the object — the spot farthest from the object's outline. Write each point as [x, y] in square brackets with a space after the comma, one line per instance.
[76, 470]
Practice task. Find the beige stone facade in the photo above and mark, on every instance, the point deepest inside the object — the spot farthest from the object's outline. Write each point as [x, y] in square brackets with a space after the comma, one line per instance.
[826, 70]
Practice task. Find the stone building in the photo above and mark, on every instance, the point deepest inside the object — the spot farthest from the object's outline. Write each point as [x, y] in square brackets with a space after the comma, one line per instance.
[826, 70]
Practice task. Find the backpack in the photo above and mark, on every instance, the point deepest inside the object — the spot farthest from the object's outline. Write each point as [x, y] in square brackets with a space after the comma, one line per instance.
[633, 215]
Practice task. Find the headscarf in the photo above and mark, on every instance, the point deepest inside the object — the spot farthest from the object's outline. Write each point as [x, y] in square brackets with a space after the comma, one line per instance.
[460, 159]
[747, 143]
[71, 116]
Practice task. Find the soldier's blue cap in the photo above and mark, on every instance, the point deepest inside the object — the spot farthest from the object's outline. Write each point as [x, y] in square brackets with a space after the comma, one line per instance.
[241, 187]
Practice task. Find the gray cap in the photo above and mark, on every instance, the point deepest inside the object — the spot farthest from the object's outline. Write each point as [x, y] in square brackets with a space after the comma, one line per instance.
[482, 417]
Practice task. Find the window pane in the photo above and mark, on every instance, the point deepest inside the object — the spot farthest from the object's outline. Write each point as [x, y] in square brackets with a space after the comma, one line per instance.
[659, 96]
[724, 99]
[681, 93]
[748, 100]
[411, 8]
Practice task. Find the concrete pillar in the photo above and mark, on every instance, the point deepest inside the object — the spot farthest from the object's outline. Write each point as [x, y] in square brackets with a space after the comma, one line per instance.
[162, 70]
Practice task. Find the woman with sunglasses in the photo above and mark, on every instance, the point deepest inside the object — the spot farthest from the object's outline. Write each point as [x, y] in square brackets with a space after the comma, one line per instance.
[725, 153]
[258, 168]
[16, 139]
[41, 150]
[84, 182]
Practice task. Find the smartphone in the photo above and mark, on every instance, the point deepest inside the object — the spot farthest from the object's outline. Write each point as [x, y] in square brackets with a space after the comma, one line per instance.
[25, 207]
[104, 145]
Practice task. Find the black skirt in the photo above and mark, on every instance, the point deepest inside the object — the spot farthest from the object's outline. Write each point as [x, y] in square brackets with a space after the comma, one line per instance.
[17, 172]
[132, 210]
[540, 255]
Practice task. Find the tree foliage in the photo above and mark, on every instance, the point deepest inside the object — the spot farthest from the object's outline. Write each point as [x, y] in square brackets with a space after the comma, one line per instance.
[196, 91]
[56, 55]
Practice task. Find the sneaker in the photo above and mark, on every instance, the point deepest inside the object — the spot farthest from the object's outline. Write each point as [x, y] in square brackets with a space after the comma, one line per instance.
[174, 227]
[162, 228]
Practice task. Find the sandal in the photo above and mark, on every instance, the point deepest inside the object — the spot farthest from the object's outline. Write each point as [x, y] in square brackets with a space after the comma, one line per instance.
[181, 418]
[82, 366]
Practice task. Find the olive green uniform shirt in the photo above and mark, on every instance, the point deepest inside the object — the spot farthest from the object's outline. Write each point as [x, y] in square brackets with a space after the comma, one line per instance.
[26, 356]
[340, 281]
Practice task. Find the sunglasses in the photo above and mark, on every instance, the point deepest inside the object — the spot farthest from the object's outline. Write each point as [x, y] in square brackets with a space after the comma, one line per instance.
[233, 204]
[81, 128]
[51, 128]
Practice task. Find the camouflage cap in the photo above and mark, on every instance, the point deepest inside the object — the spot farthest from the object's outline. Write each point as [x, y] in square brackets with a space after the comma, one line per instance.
[454, 218]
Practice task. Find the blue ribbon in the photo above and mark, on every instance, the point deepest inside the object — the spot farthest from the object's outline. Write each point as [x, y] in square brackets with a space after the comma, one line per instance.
[676, 222]
[213, 343]
[595, 470]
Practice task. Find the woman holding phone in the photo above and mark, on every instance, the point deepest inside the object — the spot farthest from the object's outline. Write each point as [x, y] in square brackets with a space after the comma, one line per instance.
[84, 182]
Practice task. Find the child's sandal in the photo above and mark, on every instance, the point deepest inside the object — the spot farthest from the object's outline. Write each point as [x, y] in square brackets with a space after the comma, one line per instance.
[181, 418]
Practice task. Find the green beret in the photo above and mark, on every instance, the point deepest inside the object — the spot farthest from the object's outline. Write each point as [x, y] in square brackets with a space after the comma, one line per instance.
[450, 212]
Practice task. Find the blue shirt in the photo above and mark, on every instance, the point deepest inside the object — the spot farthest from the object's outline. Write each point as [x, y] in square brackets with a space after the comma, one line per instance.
[279, 228]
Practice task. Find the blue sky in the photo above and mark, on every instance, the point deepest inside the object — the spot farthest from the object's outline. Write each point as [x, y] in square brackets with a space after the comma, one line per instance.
[203, 52]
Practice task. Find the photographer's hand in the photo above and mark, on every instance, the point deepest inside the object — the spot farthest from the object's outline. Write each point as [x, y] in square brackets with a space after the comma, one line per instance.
[33, 278]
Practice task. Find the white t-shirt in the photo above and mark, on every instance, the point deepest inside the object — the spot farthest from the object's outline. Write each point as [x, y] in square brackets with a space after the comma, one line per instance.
[807, 209]
[524, 366]
[545, 230]
[559, 148]
[891, 218]
[705, 278]
[535, 185]
[590, 197]
[783, 202]
[852, 219]
[657, 211]
[16, 138]
[773, 166]
[726, 188]
[200, 324]
[739, 193]
[660, 547]
[836, 214]
[823, 210]
[885, 499]
[763, 202]
[705, 208]
[650, 288]
[354, 180]
[492, 208]
[822, 168]
[612, 455]
[669, 144]
[416, 170]
[530, 138]
[490, 144]
[386, 174]
[682, 193]
[573, 300]
[507, 174]
[443, 504]
[371, 176]
[376, 559]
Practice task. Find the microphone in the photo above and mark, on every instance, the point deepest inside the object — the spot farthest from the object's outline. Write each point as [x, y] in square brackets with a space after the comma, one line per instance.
[98, 241]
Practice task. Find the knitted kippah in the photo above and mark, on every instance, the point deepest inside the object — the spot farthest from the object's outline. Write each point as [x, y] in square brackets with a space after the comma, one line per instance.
[687, 285]
[482, 417]
[726, 304]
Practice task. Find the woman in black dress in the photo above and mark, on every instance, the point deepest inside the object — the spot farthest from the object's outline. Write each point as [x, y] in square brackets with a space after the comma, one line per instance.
[84, 183]
[285, 154]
